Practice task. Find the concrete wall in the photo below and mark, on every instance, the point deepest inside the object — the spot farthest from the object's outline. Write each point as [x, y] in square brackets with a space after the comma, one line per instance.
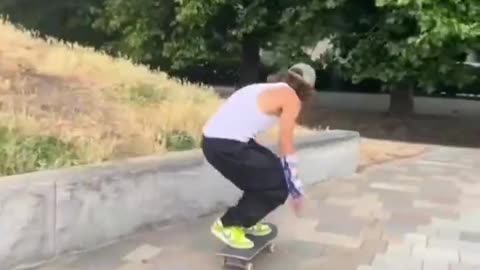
[48, 213]
[380, 103]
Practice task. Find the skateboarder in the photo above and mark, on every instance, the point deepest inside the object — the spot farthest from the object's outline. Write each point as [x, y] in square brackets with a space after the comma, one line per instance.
[229, 145]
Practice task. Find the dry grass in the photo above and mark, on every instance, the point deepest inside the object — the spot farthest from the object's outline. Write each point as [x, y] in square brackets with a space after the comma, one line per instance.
[92, 99]
[108, 107]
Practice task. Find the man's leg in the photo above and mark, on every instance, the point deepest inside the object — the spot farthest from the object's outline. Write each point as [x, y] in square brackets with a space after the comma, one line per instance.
[265, 189]
[253, 206]
[251, 209]
[221, 154]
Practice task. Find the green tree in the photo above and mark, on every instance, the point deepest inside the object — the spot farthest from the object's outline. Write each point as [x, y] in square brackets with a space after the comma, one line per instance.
[407, 44]
[68, 20]
[185, 33]
[212, 29]
[139, 29]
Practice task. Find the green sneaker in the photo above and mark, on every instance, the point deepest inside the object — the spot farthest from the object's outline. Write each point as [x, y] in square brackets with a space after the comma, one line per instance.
[232, 236]
[258, 230]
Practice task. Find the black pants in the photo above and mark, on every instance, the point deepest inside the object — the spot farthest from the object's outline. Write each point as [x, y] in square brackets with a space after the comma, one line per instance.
[255, 170]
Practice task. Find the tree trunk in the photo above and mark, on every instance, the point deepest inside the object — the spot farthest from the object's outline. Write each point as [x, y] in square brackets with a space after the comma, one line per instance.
[250, 65]
[401, 100]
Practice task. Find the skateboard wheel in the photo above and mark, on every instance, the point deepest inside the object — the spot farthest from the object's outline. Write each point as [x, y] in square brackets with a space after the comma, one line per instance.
[249, 266]
[271, 248]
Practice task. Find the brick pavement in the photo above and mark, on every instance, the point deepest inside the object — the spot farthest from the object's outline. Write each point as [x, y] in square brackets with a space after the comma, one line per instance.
[419, 214]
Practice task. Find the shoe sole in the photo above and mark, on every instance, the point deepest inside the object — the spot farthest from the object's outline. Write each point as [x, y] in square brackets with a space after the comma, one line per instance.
[224, 240]
[258, 235]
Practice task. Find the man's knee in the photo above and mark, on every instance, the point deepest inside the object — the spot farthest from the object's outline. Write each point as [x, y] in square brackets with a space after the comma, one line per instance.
[278, 196]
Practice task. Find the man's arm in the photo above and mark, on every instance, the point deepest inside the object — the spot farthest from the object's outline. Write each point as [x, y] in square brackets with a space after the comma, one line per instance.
[290, 111]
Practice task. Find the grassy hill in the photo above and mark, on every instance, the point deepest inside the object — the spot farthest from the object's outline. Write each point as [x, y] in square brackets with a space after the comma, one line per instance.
[63, 104]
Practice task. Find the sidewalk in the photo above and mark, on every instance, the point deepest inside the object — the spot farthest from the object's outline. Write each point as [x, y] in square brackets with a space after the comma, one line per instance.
[422, 213]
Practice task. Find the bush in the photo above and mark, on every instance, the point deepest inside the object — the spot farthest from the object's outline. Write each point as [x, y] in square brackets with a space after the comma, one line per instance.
[22, 154]
[179, 141]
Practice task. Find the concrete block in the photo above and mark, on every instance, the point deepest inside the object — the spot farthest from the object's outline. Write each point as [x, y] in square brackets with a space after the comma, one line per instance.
[49, 213]
[27, 218]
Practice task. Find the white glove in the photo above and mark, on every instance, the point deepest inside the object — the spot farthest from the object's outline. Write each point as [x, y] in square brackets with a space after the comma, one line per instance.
[294, 184]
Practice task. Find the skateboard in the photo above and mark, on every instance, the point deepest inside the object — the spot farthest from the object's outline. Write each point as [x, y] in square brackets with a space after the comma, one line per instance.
[242, 258]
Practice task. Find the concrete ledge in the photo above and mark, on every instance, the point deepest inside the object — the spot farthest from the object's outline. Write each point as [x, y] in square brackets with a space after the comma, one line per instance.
[48, 213]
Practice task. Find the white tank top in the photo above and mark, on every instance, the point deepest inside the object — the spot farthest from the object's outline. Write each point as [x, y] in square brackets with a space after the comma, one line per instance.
[239, 118]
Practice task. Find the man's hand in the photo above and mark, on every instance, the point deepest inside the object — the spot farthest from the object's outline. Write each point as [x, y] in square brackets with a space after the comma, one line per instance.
[297, 205]
[294, 184]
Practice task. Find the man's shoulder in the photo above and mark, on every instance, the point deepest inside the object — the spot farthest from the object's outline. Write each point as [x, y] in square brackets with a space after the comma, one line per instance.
[265, 85]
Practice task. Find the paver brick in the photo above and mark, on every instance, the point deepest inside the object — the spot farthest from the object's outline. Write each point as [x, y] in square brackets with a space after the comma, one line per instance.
[342, 201]
[327, 211]
[374, 246]
[448, 233]
[345, 188]
[469, 203]
[142, 253]
[416, 239]
[332, 239]
[370, 197]
[433, 188]
[411, 179]
[445, 199]
[436, 254]
[430, 169]
[435, 265]
[430, 165]
[395, 200]
[395, 187]
[442, 243]
[470, 221]
[371, 213]
[372, 232]
[427, 230]
[470, 257]
[365, 254]
[345, 226]
[396, 263]
[437, 209]
[400, 250]
[469, 246]
[134, 266]
[343, 260]
[445, 178]
[470, 236]
[397, 230]
[462, 266]
[445, 223]
[364, 267]
[411, 217]
[432, 205]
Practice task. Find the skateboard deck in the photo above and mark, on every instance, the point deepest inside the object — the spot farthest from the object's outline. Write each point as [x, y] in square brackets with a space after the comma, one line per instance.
[242, 257]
